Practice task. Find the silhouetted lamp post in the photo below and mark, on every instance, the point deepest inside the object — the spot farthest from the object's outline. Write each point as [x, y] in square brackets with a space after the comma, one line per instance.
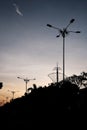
[13, 92]
[26, 81]
[57, 73]
[63, 32]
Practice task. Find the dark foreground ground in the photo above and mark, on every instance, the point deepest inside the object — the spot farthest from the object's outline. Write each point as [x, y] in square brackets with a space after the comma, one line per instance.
[52, 107]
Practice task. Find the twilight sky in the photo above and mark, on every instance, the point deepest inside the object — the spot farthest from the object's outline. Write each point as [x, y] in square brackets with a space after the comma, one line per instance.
[30, 49]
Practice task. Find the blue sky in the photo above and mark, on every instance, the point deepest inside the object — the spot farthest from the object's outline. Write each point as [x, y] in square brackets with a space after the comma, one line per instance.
[28, 48]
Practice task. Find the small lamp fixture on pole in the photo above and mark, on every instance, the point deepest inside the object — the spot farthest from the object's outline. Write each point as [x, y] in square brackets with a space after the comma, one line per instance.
[13, 92]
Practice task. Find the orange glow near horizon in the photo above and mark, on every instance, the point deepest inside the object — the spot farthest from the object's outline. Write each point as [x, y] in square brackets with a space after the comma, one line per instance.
[19, 87]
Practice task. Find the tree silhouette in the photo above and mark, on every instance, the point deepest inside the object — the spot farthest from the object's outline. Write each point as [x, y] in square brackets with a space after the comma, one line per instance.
[1, 85]
[79, 80]
[49, 106]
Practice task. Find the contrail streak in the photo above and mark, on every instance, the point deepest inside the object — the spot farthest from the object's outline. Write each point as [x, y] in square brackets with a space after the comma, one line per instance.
[17, 9]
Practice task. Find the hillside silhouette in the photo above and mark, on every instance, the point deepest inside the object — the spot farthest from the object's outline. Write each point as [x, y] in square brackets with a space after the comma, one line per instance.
[54, 106]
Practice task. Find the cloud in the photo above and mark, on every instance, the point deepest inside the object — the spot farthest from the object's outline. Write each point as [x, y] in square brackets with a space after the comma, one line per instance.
[17, 9]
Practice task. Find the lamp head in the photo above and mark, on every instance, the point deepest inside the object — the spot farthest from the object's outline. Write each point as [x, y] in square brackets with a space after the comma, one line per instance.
[49, 25]
[78, 32]
[72, 20]
[58, 36]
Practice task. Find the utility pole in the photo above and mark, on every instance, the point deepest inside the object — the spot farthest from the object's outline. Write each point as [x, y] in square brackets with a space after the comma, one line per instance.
[57, 68]
[57, 73]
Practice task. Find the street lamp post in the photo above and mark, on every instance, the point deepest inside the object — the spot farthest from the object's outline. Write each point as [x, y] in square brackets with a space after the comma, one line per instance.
[57, 74]
[57, 68]
[63, 32]
[26, 81]
[13, 92]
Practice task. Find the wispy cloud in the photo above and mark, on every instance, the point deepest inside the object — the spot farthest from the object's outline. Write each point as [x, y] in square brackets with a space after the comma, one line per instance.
[17, 9]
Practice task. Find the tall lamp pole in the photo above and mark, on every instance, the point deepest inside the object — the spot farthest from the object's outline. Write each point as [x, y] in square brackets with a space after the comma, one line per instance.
[63, 32]
[26, 81]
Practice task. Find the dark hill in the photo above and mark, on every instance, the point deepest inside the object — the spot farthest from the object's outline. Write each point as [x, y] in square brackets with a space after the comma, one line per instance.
[53, 107]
